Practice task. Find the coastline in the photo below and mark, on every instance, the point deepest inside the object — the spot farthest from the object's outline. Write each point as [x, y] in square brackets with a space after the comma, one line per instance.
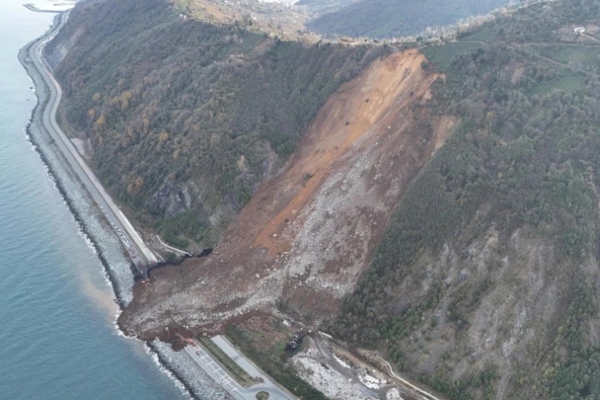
[38, 142]
[192, 380]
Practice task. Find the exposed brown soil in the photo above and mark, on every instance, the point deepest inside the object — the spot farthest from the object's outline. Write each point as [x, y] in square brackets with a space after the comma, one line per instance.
[309, 232]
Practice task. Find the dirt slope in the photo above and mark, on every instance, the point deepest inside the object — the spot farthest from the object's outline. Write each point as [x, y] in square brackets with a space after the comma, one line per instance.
[308, 233]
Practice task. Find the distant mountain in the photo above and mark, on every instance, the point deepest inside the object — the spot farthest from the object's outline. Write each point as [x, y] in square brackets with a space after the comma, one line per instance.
[389, 18]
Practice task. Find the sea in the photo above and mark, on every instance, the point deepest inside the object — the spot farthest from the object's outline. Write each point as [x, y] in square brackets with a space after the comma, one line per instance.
[58, 338]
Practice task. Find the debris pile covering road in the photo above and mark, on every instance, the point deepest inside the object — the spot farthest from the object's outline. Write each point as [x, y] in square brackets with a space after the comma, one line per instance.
[308, 233]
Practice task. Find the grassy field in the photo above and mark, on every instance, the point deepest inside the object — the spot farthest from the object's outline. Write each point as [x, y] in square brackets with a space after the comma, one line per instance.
[481, 35]
[586, 55]
[570, 75]
[567, 82]
[444, 56]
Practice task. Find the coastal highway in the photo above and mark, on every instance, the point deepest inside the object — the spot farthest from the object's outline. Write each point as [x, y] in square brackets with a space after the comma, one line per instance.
[139, 252]
[217, 373]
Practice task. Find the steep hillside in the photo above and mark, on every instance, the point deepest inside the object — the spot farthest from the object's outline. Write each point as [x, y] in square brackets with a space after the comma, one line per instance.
[308, 233]
[183, 119]
[394, 18]
[486, 282]
[436, 206]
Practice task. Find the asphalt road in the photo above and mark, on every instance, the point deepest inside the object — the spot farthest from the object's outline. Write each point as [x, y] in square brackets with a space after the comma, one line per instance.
[132, 241]
[217, 373]
[240, 360]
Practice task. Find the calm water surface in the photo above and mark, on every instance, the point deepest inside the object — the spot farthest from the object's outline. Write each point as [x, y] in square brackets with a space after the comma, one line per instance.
[57, 335]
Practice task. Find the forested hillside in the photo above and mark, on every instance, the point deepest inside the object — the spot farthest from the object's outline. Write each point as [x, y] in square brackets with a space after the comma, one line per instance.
[395, 18]
[186, 119]
[486, 283]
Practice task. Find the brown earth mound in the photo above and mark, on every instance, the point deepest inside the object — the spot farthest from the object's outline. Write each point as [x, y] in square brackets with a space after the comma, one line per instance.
[309, 232]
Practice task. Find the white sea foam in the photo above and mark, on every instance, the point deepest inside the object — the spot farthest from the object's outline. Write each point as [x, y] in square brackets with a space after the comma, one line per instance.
[88, 241]
[167, 372]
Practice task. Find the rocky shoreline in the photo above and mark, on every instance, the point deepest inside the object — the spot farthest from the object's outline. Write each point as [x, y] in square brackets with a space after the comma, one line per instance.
[191, 378]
